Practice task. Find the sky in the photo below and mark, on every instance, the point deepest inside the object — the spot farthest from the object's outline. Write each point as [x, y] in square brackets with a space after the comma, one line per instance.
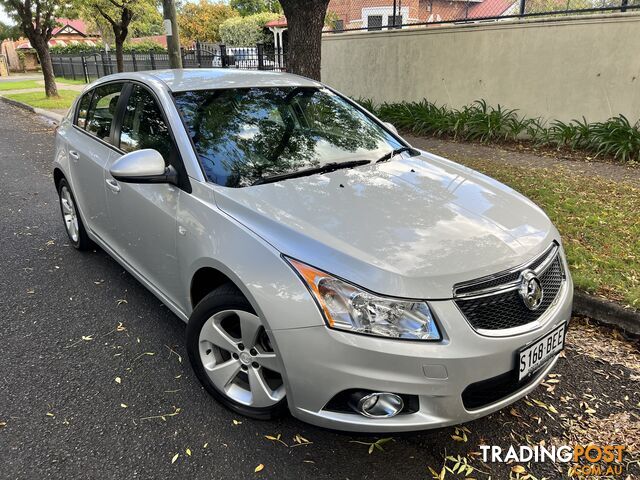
[3, 16]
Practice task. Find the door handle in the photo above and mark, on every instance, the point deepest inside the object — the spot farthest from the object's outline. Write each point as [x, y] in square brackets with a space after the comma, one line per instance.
[73, 154]
[113, 185]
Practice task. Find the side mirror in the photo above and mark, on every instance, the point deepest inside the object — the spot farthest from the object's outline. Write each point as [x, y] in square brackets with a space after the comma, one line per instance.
[390, 127]
[143, 166]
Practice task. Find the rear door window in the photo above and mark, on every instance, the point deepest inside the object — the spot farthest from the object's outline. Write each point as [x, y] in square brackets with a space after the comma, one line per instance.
[102, 110]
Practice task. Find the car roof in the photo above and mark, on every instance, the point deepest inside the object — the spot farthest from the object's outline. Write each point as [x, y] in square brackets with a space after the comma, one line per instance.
[189, 79]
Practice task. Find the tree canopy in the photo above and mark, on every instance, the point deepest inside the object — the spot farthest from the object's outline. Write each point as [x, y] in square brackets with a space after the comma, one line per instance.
[251, 7]
[36, 20]
[201, 21]
[117, 19]
[9, 31]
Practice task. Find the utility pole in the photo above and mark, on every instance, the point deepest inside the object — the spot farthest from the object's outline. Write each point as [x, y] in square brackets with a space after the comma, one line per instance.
[171, 30]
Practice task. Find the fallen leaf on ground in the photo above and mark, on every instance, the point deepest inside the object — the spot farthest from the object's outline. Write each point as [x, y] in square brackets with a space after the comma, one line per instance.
[175, 457]
[118, 380]
[173, 352]
[163, 416]
[259, 468]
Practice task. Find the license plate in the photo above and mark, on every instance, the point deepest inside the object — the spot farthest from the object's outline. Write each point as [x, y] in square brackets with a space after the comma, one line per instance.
[535, 355]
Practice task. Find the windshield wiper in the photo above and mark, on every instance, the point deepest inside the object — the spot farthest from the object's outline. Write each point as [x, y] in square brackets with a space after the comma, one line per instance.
[396, 151]
[326, 168]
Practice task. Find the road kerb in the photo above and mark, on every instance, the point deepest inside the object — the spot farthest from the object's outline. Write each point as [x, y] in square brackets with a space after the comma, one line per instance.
[56, 117]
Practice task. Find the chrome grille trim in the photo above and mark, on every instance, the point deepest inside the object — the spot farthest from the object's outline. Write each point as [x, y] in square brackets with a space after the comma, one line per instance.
[541, 262]
[498, 309]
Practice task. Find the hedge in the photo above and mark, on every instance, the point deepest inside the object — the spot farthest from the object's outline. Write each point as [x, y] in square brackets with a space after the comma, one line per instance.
[146, 46]
[247, 31]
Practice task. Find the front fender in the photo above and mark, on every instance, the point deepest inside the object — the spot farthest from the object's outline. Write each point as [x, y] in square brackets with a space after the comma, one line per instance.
[214, 239]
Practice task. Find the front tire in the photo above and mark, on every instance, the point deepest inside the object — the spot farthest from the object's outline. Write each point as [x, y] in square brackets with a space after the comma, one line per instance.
[71, 218]
[231, 355]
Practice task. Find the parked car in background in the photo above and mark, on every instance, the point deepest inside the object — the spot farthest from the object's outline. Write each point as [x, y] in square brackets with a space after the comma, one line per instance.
[322, 264]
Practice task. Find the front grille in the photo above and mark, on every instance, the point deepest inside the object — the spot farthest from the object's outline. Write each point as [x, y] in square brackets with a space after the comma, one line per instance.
[492, 390]
[500, 279]
[505, 309]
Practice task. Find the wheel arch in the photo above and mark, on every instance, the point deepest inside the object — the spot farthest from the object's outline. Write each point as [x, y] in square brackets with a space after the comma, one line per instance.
[205, 280]
[58, 175]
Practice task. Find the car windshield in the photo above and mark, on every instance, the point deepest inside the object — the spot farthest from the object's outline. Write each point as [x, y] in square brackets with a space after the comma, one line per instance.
[245, 135]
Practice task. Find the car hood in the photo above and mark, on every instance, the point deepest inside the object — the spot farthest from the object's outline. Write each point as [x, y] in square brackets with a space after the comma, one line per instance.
[412, 227]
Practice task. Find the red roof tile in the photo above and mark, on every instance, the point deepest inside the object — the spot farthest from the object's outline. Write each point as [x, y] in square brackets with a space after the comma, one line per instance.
[280, 22]
[78, 25]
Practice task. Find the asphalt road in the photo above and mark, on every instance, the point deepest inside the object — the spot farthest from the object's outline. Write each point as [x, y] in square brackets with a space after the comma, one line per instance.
[71, 324]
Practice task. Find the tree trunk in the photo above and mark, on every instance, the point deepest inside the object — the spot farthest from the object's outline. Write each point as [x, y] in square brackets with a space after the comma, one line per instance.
[120, 53]
[42, 49]
[305, 19]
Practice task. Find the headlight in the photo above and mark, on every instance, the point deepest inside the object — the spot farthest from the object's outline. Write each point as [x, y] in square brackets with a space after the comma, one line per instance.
[347, 307]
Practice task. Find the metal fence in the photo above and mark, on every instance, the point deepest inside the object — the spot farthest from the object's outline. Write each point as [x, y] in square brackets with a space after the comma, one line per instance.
[345, 15]
[90, 66]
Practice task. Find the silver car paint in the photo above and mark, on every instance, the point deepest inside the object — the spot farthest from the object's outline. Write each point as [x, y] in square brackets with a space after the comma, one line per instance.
[88, 159]
[389, 229]
[140, 163]
[408, 228]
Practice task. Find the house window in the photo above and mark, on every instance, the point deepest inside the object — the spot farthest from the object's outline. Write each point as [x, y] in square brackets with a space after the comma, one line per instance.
[374, 22]
[398, 23]
[338, 25]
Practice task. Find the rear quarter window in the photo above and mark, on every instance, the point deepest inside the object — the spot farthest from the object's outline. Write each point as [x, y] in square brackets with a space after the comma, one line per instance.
[83, 109]
[102, 110]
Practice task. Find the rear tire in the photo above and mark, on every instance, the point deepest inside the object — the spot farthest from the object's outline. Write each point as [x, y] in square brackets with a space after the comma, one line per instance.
[231, 354]
[71, 217]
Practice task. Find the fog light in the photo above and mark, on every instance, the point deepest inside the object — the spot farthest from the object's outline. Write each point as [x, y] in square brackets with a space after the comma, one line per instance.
[377, 405]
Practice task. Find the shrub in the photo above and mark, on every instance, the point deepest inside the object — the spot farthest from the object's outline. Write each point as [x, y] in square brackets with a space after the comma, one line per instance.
[617, 137]
[247, 31]
[481, 122]
[76, 48]
[145, 46]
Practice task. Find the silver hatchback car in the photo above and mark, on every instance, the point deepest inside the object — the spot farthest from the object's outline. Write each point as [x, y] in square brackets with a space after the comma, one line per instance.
[322, 264]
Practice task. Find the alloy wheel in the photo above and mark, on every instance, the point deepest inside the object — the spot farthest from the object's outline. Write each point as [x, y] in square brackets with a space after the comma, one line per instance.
[238, 358]
[69, 214]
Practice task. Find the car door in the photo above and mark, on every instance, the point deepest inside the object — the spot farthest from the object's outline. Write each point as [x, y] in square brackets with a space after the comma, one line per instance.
[142, 215]
[90, 149]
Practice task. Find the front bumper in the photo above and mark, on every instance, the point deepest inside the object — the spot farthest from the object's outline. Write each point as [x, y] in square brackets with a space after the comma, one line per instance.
[320, 363]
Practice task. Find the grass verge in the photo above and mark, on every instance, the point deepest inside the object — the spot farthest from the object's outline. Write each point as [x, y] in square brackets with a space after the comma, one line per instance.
[19, 85]
[39, 100]
[65, 81]
[599, 221]
[25, 84]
